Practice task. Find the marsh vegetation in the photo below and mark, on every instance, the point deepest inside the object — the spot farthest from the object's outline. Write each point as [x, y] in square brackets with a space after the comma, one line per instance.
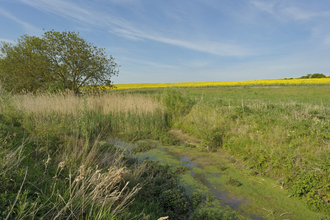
[56, 162]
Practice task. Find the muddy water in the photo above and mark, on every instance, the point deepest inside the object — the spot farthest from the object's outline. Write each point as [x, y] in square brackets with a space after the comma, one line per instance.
[257, 198]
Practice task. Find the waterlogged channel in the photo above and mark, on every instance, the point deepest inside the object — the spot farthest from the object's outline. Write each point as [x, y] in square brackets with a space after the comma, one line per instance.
[227, 187]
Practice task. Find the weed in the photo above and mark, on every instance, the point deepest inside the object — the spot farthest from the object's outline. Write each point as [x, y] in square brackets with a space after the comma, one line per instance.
[223, 167]
[189, 145]
[143, 147]
[175, 201]
[176, 103]
[213, 214]
[181, 170]
[234, 182]
[167, 138]
[196, 200]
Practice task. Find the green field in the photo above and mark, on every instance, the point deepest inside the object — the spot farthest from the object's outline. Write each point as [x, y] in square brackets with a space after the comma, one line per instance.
[265, 147]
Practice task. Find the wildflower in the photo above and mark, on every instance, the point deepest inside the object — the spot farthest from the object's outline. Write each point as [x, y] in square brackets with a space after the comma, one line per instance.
[15, 134]
[232, 83]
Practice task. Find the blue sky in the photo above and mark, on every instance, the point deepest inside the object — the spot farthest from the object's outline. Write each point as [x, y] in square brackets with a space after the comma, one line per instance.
[188, 40]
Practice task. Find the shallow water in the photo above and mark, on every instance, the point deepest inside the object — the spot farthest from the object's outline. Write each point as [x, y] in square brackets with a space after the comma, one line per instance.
[188, 163]
[199, 181]
[222, 196]
[262, 198]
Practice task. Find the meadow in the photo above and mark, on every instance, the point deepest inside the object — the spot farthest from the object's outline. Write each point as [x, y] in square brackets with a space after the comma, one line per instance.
[55, 163]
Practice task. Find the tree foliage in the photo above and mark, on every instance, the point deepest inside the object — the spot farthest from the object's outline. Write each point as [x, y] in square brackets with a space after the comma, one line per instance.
[24, 65]
[54, 61]
[315, 75]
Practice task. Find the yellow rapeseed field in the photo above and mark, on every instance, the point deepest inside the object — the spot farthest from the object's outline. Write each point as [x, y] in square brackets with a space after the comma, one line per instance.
[268, 82]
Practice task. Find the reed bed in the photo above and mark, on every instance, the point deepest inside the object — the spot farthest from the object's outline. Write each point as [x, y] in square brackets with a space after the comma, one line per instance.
[69, 103]
[53, 163]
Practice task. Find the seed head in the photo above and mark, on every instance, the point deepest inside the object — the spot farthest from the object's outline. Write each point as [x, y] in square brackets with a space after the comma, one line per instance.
[61, 164]
[15, 134]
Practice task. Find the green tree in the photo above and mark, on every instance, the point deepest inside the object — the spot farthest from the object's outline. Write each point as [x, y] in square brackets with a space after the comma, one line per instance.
[56, 60]
[24, 66]
[318, 75]
[314, 75]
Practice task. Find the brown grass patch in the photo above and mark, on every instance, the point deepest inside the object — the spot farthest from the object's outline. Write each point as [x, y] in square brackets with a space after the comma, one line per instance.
[69, 103]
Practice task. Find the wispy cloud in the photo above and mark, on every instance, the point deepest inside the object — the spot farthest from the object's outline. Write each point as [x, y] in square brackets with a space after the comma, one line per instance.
[217, 48]
[147, 63]
[27, 27]
[124, 2]
[264, 6]
[299, 14]
[282, 8]
[126, 34]
[134, 31]
[62, 8]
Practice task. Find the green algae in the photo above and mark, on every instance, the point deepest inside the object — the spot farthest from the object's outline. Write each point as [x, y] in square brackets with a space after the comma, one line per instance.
[257, 197]
[260, 196]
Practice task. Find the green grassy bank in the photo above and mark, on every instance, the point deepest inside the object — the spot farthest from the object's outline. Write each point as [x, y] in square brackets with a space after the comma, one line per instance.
[281, 132]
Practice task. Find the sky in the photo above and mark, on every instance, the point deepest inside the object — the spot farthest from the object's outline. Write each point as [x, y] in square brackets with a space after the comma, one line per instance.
[158, 41]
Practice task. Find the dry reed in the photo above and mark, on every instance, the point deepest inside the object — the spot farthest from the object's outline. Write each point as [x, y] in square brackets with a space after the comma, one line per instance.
[92, 184]
[69, 103]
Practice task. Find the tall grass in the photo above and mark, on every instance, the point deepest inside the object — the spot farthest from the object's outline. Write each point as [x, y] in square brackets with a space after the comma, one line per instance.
[69, 103]
[52, 165]
[68, 185]
[116, 112]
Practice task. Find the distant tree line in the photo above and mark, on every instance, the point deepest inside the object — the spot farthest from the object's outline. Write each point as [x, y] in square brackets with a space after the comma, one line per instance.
[54, 61]
[315, 75]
